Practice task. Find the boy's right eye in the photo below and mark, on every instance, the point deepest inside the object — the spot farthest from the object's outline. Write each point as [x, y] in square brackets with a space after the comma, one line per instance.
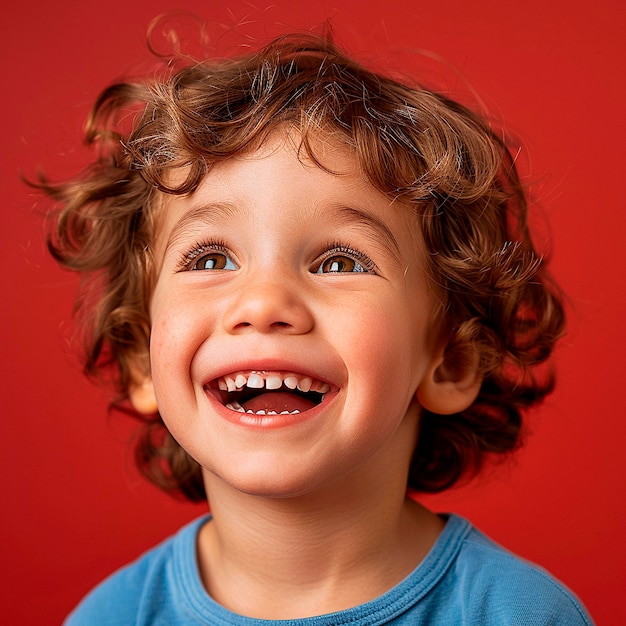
[208, 256]
[213, 261]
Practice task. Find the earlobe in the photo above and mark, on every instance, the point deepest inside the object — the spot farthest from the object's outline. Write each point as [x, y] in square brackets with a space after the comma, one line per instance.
[453, 381]
[142, 397]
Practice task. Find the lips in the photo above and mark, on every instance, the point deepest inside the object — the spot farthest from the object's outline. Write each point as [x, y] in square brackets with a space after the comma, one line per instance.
[268, 392]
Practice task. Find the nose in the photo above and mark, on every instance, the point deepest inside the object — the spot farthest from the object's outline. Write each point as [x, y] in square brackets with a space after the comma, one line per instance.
[268, 306]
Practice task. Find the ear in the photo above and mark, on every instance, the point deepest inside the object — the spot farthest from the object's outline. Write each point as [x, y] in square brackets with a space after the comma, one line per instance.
[453, 380]
[141, 390]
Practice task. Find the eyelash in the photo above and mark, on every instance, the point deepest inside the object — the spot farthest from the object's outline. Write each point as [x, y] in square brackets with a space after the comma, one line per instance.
[206, 247]
[332, 249]
[337, 249]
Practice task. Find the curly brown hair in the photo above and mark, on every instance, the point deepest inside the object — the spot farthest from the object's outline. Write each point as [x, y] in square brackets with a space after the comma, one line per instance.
[413, 144]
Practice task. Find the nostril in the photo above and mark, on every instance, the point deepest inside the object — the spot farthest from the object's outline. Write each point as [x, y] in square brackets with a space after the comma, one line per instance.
[267, 307]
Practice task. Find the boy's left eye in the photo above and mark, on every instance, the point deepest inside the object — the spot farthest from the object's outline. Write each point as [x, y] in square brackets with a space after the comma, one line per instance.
[339, 263]
[341, 259]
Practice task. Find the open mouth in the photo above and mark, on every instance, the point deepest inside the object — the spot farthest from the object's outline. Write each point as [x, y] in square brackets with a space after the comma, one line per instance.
[269, 393]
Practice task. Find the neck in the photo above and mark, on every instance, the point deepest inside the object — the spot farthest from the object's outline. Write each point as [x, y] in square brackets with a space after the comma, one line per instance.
[311, 554]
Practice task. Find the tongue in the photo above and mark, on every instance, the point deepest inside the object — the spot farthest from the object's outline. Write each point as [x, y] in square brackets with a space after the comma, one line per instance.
[278, 401]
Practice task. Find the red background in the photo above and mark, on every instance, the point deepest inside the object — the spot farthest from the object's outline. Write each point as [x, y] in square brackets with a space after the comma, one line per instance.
[75, 508]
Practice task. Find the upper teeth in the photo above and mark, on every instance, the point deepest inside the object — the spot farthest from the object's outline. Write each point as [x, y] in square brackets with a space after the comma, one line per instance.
[271, 380]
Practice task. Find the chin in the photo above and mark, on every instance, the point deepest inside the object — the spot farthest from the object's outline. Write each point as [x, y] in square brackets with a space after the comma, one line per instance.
[267, 481]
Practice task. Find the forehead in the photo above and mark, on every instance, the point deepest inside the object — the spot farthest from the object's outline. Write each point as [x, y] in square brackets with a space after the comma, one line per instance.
[309, 179]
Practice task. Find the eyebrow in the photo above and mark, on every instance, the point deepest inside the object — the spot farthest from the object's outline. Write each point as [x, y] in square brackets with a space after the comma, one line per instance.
[374, 228]
[198, 217]
[215, 214]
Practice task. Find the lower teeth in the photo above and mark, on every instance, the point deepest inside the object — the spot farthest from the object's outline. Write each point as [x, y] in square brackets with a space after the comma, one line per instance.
[239, 409]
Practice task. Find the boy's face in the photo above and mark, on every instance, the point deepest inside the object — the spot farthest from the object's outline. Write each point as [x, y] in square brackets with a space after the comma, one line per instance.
[276, 274]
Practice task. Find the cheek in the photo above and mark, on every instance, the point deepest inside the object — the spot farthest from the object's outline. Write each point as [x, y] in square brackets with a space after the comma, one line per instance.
[178, 323]
[173, 342]
[385, 346]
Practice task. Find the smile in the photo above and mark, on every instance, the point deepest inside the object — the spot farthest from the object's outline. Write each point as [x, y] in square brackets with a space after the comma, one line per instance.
[269, 393]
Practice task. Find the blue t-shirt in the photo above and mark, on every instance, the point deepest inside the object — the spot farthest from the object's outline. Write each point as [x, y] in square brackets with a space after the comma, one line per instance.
[465, 580]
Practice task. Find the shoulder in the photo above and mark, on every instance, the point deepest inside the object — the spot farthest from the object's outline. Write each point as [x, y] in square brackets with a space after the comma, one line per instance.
[133, 594]
[498, 587]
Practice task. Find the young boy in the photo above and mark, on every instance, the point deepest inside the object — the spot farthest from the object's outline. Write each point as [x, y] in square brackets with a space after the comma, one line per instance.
[319, 288]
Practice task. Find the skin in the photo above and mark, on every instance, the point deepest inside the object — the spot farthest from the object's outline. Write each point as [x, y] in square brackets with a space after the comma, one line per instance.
[310, 513]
